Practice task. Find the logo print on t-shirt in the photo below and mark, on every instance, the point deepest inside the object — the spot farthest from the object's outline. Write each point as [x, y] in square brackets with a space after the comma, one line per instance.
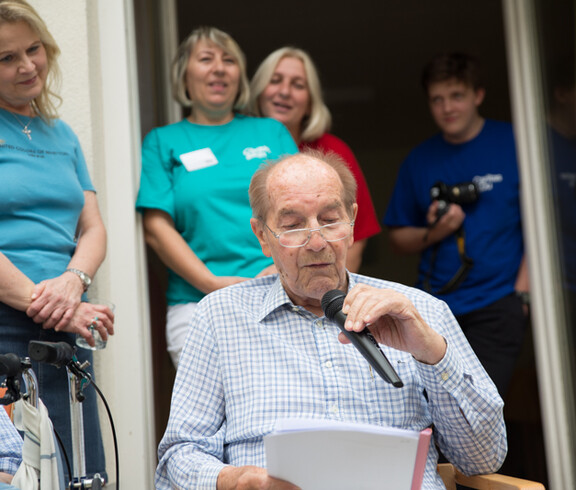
[258, 152]
[486, 182]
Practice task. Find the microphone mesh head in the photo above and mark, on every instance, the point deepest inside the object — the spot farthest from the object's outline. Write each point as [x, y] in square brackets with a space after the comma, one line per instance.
[332, 303]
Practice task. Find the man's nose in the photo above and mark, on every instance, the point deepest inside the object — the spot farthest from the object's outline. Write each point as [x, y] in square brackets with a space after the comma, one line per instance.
[447, 105]
[317, 241]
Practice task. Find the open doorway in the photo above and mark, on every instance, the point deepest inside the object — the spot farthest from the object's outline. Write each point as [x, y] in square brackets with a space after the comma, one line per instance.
[369, 55]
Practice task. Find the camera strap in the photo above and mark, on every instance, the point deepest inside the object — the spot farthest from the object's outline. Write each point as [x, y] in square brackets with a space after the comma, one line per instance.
[466, 264]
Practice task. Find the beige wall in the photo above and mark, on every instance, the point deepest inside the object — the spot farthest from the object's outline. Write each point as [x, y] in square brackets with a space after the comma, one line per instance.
[100, 103]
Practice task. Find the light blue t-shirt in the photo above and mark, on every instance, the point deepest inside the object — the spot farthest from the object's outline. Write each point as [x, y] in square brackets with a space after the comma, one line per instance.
[199, 175]
[42, 184]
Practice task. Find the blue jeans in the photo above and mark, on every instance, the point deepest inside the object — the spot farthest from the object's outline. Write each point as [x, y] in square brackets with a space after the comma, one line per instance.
[16, 331]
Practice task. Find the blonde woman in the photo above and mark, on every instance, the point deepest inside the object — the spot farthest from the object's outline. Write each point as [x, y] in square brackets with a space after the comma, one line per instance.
[286, 87]
[195, 177]
[52, 239]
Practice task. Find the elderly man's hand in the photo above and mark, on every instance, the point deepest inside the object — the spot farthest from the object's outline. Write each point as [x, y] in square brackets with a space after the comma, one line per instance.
[250, 478]
[394, 321]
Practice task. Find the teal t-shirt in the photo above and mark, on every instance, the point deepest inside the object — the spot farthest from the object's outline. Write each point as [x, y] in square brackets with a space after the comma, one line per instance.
[199, 175]
[42, 184]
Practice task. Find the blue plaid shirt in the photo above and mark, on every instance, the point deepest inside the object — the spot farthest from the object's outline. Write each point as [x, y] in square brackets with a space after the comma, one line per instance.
[10, 444]
[252, 357]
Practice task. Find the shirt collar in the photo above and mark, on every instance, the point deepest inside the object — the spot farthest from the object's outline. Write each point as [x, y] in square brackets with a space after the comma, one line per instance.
[276, 297]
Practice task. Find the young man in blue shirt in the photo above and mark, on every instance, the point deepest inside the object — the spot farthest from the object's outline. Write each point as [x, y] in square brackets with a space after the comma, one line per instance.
[457, 203]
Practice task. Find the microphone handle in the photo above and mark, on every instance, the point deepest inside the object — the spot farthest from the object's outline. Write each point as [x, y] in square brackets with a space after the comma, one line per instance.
[369, 348]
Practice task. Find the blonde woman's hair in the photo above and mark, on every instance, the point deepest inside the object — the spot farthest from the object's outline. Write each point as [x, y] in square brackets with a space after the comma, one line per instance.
[12, 11]
[223, 41]
[319, 120]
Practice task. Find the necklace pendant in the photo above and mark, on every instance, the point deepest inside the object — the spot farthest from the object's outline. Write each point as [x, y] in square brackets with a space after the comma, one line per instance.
[25, 129]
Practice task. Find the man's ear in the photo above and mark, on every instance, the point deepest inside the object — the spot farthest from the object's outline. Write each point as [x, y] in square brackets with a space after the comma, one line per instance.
[260, 232]
[479, 98]
[354, 211]
[354, 215]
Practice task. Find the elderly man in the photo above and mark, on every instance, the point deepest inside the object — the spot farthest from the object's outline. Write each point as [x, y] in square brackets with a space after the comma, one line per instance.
[263, 350]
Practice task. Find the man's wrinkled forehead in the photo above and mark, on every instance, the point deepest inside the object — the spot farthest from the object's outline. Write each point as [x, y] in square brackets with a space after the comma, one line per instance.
[301, 177]
[300, 170]
[294, 211]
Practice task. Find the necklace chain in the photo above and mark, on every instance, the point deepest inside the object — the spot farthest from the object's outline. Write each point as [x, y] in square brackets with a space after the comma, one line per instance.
[27, 131]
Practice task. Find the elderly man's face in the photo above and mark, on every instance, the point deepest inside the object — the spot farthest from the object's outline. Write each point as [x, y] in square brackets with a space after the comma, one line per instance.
[306, 193]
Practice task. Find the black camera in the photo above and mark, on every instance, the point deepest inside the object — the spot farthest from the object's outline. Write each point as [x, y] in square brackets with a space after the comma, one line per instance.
[463, 193]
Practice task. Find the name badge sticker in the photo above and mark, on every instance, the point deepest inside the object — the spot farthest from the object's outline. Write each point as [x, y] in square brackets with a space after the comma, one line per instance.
[198, 159]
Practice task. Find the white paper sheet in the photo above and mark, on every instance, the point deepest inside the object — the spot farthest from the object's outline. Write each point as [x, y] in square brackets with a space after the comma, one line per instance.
[329, 455]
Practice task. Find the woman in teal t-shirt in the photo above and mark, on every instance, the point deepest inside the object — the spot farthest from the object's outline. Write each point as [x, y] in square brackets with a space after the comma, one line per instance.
[195, 177]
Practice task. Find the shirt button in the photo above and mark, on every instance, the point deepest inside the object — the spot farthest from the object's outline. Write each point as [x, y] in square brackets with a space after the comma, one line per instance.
[445, 376]
[328, 364]
[334, 408]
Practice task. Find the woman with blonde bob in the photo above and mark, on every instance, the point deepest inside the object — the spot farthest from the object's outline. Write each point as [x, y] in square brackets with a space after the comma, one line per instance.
[195, 177]
[52, 238]
[286, 87]
[216, 38]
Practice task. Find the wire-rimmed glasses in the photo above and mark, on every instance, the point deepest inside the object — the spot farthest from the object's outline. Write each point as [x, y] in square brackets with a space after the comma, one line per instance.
[332, 232]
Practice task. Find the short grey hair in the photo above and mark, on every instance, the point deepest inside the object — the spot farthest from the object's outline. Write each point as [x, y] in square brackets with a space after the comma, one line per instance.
[258, 190]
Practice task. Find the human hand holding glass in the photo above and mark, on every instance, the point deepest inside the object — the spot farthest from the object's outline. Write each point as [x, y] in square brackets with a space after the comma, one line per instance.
[100, 327]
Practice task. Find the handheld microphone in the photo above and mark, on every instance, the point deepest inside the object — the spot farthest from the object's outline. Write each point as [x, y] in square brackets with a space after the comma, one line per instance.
[332, 303]
[56, 353]
[10, 365]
